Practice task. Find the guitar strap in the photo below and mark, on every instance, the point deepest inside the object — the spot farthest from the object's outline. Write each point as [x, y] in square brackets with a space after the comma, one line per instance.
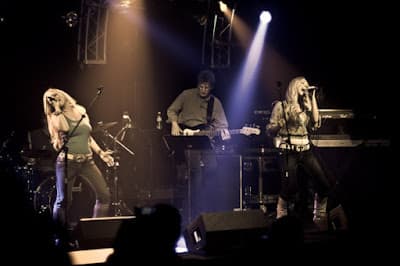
[210, 108]
[286, 121]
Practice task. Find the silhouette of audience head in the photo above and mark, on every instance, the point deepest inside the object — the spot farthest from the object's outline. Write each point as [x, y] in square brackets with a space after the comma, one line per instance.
[25, 230]
[151, 236]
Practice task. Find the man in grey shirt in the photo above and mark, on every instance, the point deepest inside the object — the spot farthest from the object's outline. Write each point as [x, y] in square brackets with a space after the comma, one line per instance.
[196, 111]
[189, 109]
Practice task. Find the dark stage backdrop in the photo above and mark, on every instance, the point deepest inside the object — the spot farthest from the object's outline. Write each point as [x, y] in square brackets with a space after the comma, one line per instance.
[334, 45]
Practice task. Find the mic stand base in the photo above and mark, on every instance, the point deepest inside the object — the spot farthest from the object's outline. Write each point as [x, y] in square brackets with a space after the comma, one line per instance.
[119, 208]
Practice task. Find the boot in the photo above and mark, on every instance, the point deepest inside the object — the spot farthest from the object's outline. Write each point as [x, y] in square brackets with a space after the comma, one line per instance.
[281, 208]
[320, 217]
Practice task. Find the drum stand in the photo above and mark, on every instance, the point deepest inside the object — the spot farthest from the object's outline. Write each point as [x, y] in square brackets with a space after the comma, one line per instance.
[119, 207]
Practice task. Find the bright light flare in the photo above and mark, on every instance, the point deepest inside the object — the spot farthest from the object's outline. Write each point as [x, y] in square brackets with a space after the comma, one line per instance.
[222, 6]
[265, 17]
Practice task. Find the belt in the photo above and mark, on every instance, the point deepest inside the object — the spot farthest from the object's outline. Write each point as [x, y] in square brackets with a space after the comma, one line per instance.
[77, 157]
[295, 147]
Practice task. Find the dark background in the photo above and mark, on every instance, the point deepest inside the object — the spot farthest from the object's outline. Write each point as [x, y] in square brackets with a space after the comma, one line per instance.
[341, 47]
[338, 46]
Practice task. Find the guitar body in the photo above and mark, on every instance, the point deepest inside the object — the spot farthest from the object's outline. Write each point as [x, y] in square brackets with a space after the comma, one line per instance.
[202, 130]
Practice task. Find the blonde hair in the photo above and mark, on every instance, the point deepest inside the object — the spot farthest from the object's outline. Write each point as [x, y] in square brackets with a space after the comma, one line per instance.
[56, 139]
[47, 108]
[292, 92]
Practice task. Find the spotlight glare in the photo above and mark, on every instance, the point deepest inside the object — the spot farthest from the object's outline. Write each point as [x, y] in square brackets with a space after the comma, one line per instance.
[265, 17]
[125, 3]
[71, 19]
[222, 6]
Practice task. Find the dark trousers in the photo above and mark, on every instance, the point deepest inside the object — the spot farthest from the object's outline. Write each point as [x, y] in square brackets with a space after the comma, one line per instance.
[200, 172]
[291, 162]
[92, 175]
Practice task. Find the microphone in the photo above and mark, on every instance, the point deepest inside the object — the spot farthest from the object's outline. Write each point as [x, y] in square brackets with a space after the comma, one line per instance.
[100, 90]
[127, 119]
[310, 88]
[128, 124]
[51, 99]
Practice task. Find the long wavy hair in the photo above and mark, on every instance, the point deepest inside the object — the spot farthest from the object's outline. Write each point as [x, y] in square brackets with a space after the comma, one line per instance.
[292, 92]
[48, 109]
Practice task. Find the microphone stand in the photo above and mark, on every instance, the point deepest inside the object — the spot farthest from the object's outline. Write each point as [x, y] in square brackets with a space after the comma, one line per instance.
[64, 149]
[116, 201]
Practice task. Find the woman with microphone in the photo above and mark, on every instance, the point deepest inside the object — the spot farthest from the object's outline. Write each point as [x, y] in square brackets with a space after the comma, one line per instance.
[70, 133]
[291, 122]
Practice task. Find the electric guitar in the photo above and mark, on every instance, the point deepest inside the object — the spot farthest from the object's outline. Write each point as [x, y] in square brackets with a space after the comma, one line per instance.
[211, 133]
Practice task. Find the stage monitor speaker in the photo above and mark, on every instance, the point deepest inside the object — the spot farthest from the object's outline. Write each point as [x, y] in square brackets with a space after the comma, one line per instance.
[93, 233]
[222, 232]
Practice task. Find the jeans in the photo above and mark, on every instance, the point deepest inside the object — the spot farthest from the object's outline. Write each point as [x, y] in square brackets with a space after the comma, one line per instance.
[290, 162]
[92, 175]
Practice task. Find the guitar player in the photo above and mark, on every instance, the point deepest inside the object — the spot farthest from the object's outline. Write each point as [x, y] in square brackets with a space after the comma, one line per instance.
[197, 108]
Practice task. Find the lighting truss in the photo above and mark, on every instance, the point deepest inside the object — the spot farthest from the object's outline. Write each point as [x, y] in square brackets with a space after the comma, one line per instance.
[92, 38]
[217, 42]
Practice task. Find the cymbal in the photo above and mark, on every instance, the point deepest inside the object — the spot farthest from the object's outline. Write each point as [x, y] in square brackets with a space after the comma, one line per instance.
[102, 126]
[37, 153]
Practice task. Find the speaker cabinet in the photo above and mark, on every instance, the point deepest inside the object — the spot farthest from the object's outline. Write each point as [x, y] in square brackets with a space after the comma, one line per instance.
[222, 232]
[93, 233]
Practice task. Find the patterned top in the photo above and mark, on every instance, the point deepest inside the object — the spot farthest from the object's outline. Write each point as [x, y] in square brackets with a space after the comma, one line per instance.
[289, 119]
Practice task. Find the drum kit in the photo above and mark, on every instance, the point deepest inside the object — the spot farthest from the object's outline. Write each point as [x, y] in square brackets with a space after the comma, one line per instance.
[35, 170]
[37, 166]
[38, 175]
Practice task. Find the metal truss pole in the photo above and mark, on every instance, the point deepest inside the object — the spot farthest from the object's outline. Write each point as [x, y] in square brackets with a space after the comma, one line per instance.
[220, 43]
[92, 38]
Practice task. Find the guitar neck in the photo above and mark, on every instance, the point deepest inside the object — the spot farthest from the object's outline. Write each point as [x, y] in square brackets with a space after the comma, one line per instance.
[216, 132]
[234, 131]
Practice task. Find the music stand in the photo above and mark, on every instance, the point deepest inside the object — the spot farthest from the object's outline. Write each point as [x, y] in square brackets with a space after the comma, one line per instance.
[184, 144]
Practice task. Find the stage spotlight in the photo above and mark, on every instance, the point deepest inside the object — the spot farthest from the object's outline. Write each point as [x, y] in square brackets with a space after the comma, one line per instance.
[71, 18]
[125, 4]
[223, 7]
[265, 17]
